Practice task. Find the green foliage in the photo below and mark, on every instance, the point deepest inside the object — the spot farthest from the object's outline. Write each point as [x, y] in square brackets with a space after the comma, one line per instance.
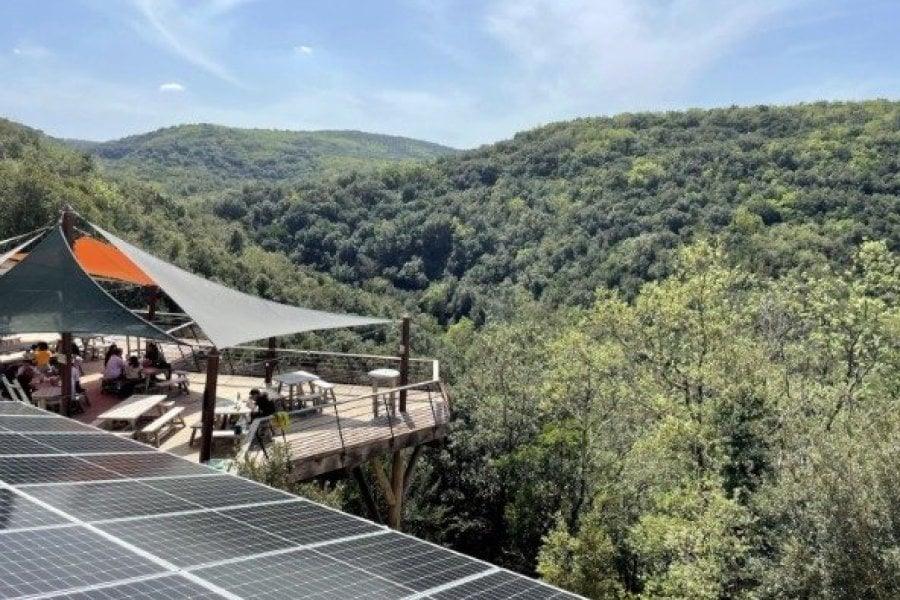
[722, 435]
[595, 203]
[193, 159]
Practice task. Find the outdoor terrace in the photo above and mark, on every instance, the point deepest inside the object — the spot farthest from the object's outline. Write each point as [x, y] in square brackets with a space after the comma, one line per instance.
[334, 435]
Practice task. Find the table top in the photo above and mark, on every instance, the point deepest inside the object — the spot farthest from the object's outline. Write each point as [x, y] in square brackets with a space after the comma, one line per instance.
[296, 377]
[131, 409]
[231, 407]
[47, 391]
[384, 373]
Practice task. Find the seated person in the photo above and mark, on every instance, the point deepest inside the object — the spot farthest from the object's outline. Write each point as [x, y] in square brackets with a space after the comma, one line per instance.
[264, 406]
[77, 374]
[133, 369]
[109, 352]
[156, 359]
[25, 374]
[114, 374]
[42, 357]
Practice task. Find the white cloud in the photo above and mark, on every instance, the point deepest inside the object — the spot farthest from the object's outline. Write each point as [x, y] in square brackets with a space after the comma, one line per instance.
[191, 30]
[579, 54]
[31, 51]
[303, 49]
[171, 87]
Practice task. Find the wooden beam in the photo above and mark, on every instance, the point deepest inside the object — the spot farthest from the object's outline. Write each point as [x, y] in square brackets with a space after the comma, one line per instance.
[270, 361]
[152, 299]
[68, 229]
[410, 467]
[404, 360]
[209, 404]
[366, 492]
[396, 509]
[382, 480]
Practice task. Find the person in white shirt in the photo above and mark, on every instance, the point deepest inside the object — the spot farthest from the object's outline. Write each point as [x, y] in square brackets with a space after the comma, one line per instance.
[115, 366]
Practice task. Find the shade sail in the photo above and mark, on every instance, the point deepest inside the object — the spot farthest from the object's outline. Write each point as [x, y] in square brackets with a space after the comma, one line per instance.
[228, 317]
[107, 262]
[49, 291]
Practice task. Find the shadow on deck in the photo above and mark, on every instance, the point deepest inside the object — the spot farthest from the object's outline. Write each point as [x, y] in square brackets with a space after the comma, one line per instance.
[343, 434]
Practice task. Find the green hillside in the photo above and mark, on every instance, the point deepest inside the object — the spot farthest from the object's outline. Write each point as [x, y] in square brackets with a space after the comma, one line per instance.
[560, 211]
[191, 159]
[38, 176]
[671, 339]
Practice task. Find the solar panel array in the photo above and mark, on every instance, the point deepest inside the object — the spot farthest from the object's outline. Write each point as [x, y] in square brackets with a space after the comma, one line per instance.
[85, 514]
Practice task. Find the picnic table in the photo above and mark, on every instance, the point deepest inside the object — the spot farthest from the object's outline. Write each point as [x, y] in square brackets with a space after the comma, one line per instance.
[228, 410]
[132, 409]
[295, 378]
[46, 394]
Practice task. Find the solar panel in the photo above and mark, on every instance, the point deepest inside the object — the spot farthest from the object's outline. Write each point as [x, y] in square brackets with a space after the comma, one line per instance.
[87, 515]
[18, 513]
[41, 424]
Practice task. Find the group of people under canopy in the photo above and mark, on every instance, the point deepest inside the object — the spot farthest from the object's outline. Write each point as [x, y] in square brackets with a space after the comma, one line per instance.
[40, 364]
[121, 376]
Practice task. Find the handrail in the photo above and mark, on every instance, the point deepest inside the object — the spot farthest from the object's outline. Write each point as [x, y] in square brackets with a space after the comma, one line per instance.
[360, 432]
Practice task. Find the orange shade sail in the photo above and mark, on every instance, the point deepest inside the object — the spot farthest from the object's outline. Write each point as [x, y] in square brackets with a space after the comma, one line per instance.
[108, 262]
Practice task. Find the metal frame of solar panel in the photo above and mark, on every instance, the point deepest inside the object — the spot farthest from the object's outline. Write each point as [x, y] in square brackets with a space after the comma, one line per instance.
[85, 514]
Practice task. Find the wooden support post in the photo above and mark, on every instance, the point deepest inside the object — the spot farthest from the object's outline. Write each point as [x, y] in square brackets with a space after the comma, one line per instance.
[410, 467]
[396, 510]
[393, 488]
[387, 490]
[366, 492]
[404, 360]
[270, 361]
[209, 404]
[68, 229]
[152, 299]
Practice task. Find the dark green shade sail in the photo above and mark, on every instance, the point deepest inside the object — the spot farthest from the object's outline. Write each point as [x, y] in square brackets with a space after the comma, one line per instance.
[50, 292]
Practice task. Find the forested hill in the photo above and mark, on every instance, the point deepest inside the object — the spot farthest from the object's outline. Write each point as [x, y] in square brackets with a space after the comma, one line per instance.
[189, 159]
[566, 209]
[38, 176]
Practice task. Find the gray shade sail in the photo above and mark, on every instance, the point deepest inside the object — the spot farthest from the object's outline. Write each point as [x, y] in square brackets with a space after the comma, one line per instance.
[9, 254]
[226, 316]
[49, 292]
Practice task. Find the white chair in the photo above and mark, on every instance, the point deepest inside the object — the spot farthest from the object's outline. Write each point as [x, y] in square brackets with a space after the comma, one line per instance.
[13, 390]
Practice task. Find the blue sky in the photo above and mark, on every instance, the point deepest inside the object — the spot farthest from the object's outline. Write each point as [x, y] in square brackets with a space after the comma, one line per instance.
[462, 73]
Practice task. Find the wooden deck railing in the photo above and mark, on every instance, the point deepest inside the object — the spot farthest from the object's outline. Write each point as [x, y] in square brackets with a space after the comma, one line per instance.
[349, 427]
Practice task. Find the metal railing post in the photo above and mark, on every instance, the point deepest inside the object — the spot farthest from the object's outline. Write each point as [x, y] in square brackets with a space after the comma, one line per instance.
[387, 413]
[340, 433]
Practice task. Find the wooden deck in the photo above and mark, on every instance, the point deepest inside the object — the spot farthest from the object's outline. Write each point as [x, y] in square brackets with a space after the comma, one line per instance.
[321, 439]
[344, 434]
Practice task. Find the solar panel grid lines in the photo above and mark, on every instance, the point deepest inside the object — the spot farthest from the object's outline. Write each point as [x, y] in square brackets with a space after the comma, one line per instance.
[79, 557]
[195, 538]
[42, 424]
[123, 551]
[58, 469]
[307, 523]
[153, 587]
[17, 512]
[405, 560]
[185, 530]
[429, 593]
[302, 574]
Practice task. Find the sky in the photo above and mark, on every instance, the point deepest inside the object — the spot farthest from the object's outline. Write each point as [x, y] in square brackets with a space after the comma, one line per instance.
[456, 72]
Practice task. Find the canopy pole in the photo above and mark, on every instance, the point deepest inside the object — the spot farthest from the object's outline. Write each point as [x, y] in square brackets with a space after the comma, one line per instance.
[404, 361]
[270, 361]
[68, 229]
[152, 299]
[209, 404]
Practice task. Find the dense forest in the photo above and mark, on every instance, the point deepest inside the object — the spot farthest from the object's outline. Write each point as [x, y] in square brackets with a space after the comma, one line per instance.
[671, 339]
[193, 159]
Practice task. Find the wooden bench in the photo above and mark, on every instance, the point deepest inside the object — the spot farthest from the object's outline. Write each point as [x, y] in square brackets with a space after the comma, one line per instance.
[163, 425]
[166, 386]
[217, 434]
